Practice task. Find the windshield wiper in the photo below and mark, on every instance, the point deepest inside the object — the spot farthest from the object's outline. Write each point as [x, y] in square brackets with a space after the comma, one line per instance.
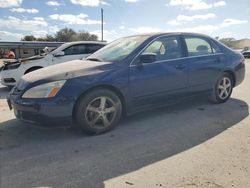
[94, 59]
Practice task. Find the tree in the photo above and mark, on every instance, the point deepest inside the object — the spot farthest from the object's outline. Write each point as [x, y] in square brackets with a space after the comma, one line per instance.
[83, 35]
[67, 35]
[64, 35]
[228, 41]
[47, 38]
[28, 38]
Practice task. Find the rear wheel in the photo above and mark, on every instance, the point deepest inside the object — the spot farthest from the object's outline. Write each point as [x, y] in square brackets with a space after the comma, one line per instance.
[97, 112]
[222, 89]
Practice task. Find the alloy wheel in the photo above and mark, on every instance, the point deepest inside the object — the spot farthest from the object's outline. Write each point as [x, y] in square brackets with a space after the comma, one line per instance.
[224, 88]
[101, 112]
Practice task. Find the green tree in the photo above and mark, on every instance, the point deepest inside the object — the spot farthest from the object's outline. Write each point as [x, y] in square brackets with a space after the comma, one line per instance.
[49, 38]
[86, 36]
[66, 35]
[228, 42]
[28, 38]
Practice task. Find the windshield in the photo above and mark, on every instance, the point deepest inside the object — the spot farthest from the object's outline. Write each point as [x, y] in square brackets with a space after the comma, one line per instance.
[118, 50]
[59, 48]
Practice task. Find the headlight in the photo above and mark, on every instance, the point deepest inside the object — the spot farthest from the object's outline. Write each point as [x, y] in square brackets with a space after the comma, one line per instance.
[11, 66]
[45, 90]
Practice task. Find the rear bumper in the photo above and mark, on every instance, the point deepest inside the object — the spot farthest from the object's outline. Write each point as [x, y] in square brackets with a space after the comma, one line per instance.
[239, 74]
[42, 112]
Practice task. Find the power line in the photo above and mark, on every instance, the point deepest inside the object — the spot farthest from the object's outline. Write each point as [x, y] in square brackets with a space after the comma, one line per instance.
[102, 23]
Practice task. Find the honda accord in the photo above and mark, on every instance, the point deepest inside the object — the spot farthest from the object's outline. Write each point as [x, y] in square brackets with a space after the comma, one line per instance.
[126, 76]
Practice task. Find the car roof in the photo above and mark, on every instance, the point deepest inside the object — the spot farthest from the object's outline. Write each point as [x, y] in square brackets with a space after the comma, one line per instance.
[85, 42]
[68, 44]
[157, 34]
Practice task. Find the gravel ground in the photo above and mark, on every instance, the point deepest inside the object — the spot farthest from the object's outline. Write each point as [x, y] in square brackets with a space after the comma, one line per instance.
[192, 144]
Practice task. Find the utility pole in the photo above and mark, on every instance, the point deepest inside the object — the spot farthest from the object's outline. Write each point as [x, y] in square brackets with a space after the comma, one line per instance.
[102, 23]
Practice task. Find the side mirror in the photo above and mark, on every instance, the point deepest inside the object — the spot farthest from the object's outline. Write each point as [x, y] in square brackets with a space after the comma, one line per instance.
[147, 58]
[58, 54]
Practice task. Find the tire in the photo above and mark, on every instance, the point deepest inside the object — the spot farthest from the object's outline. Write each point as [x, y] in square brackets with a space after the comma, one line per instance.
[222, 89]
[97, 112]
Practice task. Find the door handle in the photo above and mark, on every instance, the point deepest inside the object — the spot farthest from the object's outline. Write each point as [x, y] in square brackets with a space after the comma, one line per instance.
[180, 67]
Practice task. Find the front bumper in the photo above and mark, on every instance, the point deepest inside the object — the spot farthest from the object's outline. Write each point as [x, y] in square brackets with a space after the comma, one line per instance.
[9, 77]
[8, 81]
[42, 112]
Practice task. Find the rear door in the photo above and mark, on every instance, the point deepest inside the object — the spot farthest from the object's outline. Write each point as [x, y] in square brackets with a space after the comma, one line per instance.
[205, 62]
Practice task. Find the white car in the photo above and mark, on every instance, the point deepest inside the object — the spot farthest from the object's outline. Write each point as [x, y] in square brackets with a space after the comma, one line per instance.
[12, 72]
[246, 54]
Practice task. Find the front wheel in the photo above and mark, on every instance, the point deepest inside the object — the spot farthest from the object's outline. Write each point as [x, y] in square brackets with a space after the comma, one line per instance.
[222, 89]
[98, 111]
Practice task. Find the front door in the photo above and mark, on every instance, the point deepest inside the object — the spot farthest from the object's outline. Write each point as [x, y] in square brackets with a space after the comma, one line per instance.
[166, 75]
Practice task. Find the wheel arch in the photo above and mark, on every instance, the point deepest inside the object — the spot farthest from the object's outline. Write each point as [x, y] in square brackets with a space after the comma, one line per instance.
[102, 86]
[232, 74]
[32, 69]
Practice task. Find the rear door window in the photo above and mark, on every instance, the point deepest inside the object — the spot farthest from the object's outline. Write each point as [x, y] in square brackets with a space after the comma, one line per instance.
[197, 46]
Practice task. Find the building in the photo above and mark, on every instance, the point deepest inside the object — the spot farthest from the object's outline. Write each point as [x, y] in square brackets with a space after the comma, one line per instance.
[24, 49]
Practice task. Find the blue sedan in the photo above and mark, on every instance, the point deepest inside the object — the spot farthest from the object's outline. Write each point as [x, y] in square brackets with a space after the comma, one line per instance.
[126, 76]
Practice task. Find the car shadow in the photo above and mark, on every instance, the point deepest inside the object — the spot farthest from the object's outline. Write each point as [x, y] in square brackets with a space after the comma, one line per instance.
[64, 158]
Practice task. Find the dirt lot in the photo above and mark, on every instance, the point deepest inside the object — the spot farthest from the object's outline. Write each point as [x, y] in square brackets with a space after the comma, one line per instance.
[193, 144]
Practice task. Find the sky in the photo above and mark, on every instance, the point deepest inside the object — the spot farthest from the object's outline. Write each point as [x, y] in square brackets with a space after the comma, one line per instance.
[217, 18]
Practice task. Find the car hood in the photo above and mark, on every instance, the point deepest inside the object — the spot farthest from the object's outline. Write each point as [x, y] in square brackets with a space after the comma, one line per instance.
[32, 58]
[63, 71]
[8, 61]
[24, 60]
